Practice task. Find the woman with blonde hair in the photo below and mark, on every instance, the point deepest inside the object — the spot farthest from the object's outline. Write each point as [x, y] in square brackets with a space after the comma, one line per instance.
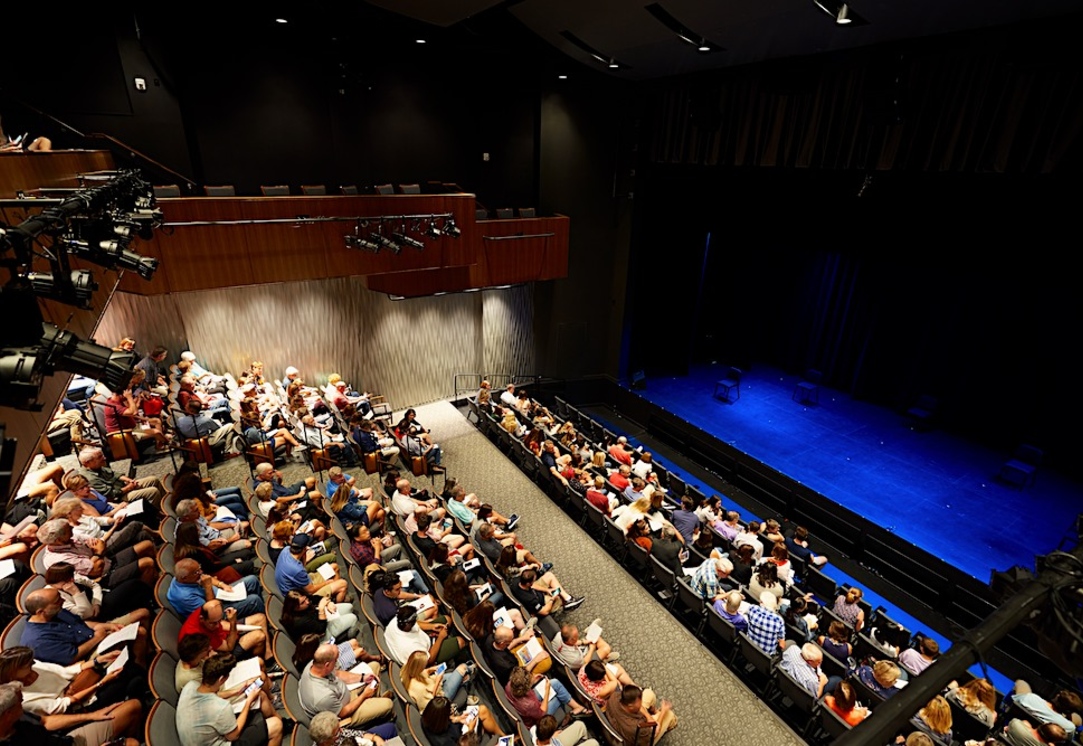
[979, 698]
[848, 610]
[935, 719]
[423, 683]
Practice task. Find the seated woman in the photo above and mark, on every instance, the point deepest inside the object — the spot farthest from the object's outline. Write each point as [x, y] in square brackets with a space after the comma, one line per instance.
[122, 413]
[510, 566]
[533, 705]
[460, 595]
[640, 533]
[599, 680]
[367, 550]
[303, 614]
[979, 698]
[743, 564]
[844, 703]
[780, 558]
[799, 616]
[766, 580]
[847, 609]
[133, 536]
[935, 719]
[189, 484]
[282, 535]
[276, 437]
[87, 601]
[352, 506]
[837, 641]
[424, 684]
[479, 620]
[229, 567]
[443, 728]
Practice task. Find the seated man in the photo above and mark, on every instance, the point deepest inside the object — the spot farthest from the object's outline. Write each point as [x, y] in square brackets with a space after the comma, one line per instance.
[290, 573]
[204, 377]
[305, 487]
[621, 478]
[491, 546]
[1022, 733]
[572, 650]
[667, 549]
[324, 688]
[191, 588]
[223, 628]
[508, 396]
[371, 441]
[111, 724]
[729, 608]
[542, 597]
[319, 436]
[802, 662]
[597, 495]
[118, 489]
[194, 424]
[630, 708]
[431, 452]
[621, 452]
[708, 580]
[88, 556]
[497, 650]
[766, 627]
[387, 595]
[404, 637]
[58, 636]
[1064, 709]
[797, 543]
[405, 501]
[205, 717]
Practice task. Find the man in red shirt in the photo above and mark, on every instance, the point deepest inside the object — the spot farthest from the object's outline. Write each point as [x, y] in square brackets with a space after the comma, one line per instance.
[220, 624]
[621, 478]
[620, 452]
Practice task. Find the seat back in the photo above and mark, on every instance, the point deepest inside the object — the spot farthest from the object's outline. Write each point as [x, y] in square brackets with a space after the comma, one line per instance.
[394, 672]
[220, 191]
[413, 723]
[166, 190]
[759, 659]
[33, 583]
[267, 580]
[279, 190]
[663, 574]
[283, 649]
[313, 190]
[163, 670]
[291, 698]
[964, 726]
[527, 212]
[161, 725]
[410, 188]
[384, 189]
[349, 189]
[161, 591]
[13, 633]
[274, 611]
[505, 213]
[164, 632]
[799, 695]
[832, 723]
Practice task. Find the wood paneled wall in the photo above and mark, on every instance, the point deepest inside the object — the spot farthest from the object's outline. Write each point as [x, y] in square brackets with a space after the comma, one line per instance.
[408, 350]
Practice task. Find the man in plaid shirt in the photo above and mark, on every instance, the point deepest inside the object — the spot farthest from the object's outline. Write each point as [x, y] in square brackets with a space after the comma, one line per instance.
[708, 576]
[766, 626]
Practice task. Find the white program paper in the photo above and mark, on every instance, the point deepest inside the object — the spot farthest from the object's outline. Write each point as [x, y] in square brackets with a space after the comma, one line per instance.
[326, 571]
[124, 634]
[501, 618]
[7, 567]
[236, 593]
[135, 507]
[119, 663]
[242, 672]
[594, 631]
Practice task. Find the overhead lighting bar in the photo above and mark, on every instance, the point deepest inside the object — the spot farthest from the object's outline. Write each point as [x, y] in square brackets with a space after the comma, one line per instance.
[605, 59]
[684, 33]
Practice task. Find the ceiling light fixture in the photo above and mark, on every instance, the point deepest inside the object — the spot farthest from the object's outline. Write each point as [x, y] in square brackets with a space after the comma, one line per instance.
[685, 34]
[841, 13]
[281, 20]
[609, 61]
[843, 16]
[562, 77]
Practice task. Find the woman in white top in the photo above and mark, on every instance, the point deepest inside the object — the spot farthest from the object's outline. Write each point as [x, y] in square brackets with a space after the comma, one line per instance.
[133, 535]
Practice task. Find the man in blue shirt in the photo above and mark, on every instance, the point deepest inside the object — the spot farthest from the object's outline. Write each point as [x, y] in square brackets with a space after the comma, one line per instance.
[195, 425]
[267, 473]
[290, 573]
[55, 634]
[685, 520]
[190, 589]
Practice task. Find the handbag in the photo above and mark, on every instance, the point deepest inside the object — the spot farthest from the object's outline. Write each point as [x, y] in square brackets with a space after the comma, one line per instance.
[418, 466]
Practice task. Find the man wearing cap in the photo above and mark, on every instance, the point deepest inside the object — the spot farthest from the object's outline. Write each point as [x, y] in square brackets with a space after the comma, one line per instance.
[290, 573]
[404, 637]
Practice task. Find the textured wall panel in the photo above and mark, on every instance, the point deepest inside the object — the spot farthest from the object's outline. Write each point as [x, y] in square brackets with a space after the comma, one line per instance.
[408, 350]
[507, 330]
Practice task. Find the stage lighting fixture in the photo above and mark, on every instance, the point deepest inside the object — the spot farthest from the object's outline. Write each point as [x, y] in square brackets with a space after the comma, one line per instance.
[841, 13]
[113, 253]
[77, 291]
[402, 238]
[63, 350]
[20, 377]
[433, 231]
[387, 243]
[357, 242]
[450, 229]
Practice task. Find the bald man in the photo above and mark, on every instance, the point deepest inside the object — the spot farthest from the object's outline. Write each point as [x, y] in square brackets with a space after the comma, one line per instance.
[325, 689]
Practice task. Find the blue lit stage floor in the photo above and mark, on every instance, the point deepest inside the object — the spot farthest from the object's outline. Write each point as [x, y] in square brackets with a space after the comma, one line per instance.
[931, 488]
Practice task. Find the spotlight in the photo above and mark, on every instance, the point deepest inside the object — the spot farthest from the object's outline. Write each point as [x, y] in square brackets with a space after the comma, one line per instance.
[843, 16]
[450, 229]
[841, 13]
[65, 351]
[113, 253]
[357, 242]
[20, 378]
[387, 243]
[77, 291]
[402, 238]
[433, 232]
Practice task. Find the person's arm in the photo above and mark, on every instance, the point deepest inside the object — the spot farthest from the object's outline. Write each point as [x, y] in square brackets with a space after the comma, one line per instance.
[65, 722]
[242, 717]
[234, 633]
[437, 642]
[88, 647]
[352, 706]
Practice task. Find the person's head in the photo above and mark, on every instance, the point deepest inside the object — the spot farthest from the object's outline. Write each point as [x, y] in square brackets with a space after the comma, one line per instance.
[520, 681]
[638, 484]
[979, 690]
[424, 521]
[77, 484]
[845, 696]
[187, 510]
[55, 532]
[216, 669]
[812, 654]
[527, 577]
[414, 668]
[767, 574]
[1067, 702]
[929, 648]
[438, 555]
[852, 596]
[306, 650]
[838, 632]
[211, 615]
[753, 527]
[158, 354]
[127, 344]
[723, 567]
[187, 571]
[797, 608]
[91, 458]
[734, 599]
[68, 508]
[769, 601]
[800, 534]
[771, 526]
[294, 603]
[570, 634]
[17, 664]
[359, 532]
[631, 699]
[486, 531]
[436, 717]
[403, 486]
[336, 475]
[324, 728]
[479, 620]
[594, 670]
[886, 673]
[195, 648]
[406, 617]
[1052, 733]
[502, 637]
[780, 553]
[325, 660]
[60, 574]
[11, 703]
[45, 603]
[299, 544]
[545, 728]
[456, 585]
[917, 738]
[746, 553]
[193, 407]
[937, 715]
